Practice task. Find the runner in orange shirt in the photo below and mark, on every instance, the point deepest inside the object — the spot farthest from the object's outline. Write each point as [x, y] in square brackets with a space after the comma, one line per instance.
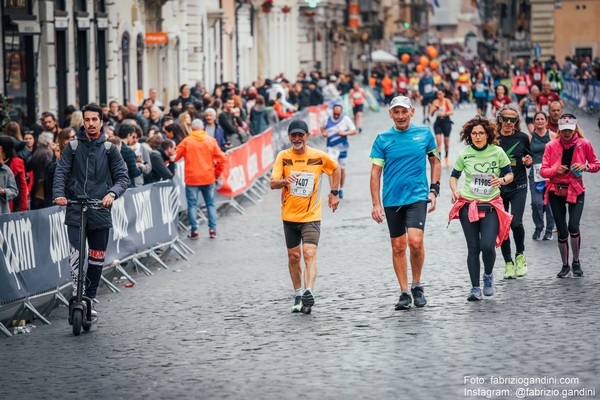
[297, 171]
[387, 85]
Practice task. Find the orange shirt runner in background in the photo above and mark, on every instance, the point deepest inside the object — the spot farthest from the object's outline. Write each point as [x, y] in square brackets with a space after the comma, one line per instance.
[301, 202]
[388, 86]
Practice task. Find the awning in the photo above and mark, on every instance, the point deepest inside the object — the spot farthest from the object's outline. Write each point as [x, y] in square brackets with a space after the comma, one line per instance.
[454, 40]
[383, 57]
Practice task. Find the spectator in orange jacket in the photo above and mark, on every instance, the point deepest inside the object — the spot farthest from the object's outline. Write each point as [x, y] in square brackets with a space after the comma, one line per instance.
[204, 163]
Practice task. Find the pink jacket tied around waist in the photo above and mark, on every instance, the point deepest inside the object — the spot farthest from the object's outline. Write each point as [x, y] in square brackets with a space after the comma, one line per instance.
[504, 218]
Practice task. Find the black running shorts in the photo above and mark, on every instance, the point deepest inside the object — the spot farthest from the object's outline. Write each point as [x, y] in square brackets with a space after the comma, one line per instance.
[425, 101]
[357, 108]
[301, 232]
[442, 125]
[399, 219]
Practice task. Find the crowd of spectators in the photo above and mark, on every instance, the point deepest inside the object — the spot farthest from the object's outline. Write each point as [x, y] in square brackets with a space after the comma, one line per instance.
[148, 133]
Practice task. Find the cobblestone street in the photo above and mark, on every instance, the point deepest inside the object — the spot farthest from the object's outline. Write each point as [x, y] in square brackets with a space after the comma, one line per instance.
[219, 325]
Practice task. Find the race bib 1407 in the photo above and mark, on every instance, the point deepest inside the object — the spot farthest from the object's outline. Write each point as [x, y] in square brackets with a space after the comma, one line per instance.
[304, 185]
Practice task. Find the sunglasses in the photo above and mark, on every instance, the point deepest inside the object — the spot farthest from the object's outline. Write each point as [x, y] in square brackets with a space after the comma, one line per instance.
[509, 119]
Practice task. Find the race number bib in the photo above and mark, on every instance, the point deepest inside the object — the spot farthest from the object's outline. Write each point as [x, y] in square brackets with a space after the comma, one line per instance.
[463, 89]
[402, 85]
[479, 87]
[531, 111]
[304, 185]
[481, 184]
[546, 109]
[522, 83]
[537, 76]
[553, 85]
[537, 177]
[428, 88]
[454, 75]
[442, 110]
[357, 96]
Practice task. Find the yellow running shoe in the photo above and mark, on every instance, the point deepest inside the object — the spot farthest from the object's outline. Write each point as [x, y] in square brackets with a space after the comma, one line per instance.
[521, 265]
[509, 271]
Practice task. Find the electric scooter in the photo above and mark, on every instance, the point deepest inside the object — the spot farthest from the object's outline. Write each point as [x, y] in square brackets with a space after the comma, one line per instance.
[80, 306]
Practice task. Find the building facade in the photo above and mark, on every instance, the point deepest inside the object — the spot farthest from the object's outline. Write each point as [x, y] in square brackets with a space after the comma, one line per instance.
[73, 52]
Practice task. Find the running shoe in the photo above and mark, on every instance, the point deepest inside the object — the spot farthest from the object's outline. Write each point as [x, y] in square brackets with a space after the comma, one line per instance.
[548, 235]
[308, 299]
[194, 235]
[509, 270]
[577, 271]
[488, 285]
[341, 194]
[537, 234]
[475, 294]
[212, 233]
[404, 302]
[564, 272]
[521, 265]
[419, 296]
[297, 307]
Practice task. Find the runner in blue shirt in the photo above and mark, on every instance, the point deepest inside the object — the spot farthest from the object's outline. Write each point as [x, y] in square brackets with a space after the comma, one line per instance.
[401, 153]
[336, 129]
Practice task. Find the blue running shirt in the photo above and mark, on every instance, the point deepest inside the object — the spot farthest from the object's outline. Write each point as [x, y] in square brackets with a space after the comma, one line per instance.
[405, 164]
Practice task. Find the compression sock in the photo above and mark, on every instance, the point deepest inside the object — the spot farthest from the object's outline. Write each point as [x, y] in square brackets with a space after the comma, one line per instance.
[575, 245]
[563, 247]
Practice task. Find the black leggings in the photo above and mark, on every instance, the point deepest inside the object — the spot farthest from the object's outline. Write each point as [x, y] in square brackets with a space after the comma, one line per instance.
[97, 241]
[559, 210]
[515, 202]
[481, 238]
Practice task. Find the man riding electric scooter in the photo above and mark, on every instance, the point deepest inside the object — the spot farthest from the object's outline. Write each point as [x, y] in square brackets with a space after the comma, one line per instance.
[90, 168]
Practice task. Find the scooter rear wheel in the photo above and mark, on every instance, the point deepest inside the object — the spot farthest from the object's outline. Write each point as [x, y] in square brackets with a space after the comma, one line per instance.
[77, 321]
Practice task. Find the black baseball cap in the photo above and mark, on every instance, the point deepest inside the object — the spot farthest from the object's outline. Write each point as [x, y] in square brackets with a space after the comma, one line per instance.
[298, 126]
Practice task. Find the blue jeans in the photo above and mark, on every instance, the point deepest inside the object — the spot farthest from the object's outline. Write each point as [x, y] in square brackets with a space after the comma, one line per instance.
[208, 192]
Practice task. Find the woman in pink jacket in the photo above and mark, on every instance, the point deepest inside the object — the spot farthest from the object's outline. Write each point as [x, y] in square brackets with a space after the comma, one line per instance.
[565, 160]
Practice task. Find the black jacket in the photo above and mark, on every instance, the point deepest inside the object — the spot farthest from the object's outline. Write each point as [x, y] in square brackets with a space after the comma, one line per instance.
[160, 171]
[90, 170]
[259, 120]
[316, 97]
[129, 157]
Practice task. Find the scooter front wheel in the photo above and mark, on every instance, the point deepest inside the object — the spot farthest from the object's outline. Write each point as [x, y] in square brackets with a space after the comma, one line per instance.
[87, 324]
[77, 321]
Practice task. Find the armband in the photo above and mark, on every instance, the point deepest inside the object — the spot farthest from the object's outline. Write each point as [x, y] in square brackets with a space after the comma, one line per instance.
[435, 188]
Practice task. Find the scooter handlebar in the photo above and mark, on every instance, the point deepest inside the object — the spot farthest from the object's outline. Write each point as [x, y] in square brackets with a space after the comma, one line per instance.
[93, 203]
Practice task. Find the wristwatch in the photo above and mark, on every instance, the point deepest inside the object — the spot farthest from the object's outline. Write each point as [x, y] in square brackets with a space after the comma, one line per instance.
[335, 192]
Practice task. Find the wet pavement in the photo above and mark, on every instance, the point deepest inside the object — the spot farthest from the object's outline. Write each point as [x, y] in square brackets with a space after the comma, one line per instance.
[219, 325]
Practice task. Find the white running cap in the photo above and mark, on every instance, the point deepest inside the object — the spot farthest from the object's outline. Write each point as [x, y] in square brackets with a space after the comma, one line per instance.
[401, 101]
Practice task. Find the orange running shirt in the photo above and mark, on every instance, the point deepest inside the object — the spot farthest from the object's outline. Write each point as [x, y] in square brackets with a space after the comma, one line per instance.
[301, 202]
[388, 86]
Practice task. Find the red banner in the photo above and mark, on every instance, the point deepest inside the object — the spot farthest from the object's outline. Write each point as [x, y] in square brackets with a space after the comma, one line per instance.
[246, 163]
[317, 115]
